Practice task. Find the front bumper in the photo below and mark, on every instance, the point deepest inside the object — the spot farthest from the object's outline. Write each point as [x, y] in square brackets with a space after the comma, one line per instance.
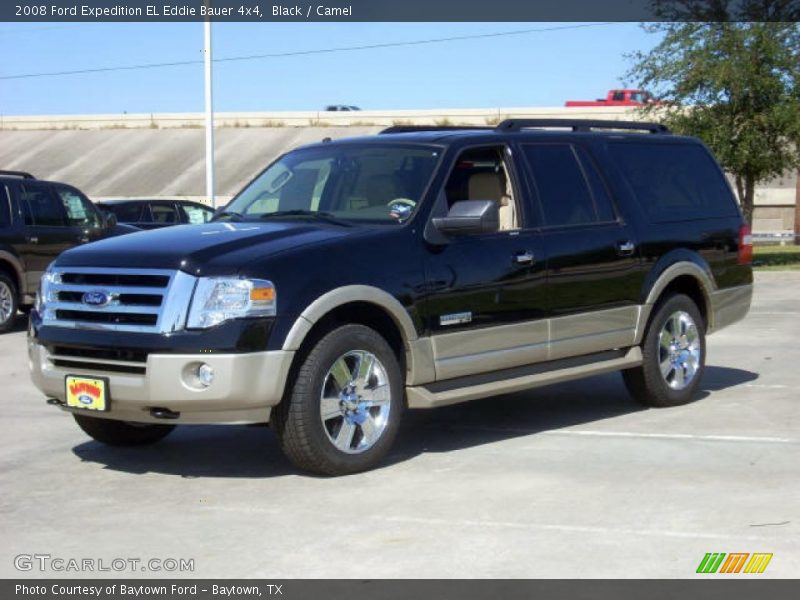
[245, 387]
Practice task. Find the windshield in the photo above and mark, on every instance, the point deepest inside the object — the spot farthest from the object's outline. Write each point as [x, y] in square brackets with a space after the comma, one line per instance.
[346, 183]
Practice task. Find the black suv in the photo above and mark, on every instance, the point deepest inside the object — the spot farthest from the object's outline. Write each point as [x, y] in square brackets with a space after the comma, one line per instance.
[353, 279]
[38, 220]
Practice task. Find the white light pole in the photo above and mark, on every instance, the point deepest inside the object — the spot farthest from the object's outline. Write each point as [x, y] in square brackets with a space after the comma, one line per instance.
[209, 116]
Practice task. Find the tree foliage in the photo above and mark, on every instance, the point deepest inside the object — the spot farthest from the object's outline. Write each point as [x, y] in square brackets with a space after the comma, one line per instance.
[736, 85]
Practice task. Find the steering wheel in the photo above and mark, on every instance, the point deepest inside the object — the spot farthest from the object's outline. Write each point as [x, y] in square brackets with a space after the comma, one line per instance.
[404, 201]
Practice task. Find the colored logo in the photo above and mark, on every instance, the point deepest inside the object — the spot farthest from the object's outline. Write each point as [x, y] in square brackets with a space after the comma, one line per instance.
[96, 299]
[735, 562]
[85, 392]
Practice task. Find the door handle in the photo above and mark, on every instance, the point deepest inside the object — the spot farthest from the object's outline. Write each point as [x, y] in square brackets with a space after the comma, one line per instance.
[83, 239]
[524, 257]
[626, 248]
[31, 239]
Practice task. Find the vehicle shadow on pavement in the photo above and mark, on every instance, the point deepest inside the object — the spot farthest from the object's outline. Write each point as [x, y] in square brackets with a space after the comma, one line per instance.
[253, 451]
[534, 411]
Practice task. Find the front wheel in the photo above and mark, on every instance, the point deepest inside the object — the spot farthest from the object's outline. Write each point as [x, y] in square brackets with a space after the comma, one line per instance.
[121, 433]
[344, 410]
[673, 353]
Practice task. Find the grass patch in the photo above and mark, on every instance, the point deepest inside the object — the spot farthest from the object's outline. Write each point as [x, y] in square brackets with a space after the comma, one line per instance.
[776, 258]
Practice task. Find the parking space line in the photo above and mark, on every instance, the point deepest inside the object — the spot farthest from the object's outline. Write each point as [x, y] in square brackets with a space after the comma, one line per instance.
[634, 434]
[676, 436]
[456, 523]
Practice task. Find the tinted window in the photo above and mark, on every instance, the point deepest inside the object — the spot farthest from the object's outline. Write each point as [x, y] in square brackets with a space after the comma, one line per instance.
[196, 214]
[164, 213]
[5, 208]
[41, 207]
[80, 211]
[674, 182]
[602, 201]
[563, 191]
[129, 212]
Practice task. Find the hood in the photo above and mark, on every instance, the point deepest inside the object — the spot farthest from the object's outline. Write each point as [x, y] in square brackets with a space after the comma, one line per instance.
[210, 249]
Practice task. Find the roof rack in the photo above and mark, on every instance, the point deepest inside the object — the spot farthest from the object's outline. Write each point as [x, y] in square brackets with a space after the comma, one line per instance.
[20, 174]
[413, 128]
[581, 125]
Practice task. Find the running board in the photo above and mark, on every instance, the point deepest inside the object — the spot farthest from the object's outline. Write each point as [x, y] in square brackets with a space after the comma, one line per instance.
[443, 393]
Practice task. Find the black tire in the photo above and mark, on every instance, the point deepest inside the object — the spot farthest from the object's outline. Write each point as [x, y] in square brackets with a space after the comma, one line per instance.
[646, 383]
[297, 419]
[8, 294]
[120, 433]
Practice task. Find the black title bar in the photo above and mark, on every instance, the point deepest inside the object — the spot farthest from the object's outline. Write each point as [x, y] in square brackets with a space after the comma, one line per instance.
[397, 10]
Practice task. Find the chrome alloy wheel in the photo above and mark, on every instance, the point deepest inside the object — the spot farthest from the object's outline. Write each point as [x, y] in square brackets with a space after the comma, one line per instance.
[6, 302]
[679, 352]
[355, 402]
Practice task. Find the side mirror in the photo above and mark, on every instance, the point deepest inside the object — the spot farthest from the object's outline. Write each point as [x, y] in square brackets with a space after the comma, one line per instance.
[109, 219]
[470, 217]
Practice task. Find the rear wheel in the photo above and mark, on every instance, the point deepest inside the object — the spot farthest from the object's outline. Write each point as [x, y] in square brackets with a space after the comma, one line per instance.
[673, 353]
[343, 412]
[121, 433]
[9, 302]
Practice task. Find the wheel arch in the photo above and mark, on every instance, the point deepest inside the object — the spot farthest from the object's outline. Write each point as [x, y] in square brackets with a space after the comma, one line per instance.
[11, 265]
[690, 277]
[368, 306]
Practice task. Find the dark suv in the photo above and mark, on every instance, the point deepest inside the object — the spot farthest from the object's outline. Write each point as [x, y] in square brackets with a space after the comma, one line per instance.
[38, 220]
[353, 279]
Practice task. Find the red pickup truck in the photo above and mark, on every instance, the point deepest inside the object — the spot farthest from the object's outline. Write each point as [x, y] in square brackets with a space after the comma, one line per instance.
[616, 98]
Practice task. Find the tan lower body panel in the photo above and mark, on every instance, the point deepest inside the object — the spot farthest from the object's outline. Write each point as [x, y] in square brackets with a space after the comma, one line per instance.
[421, 397]
[494, 348]
[730, 305]
[244, 389]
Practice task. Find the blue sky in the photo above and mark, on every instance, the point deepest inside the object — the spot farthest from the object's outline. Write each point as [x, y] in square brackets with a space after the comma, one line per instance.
[539, 69]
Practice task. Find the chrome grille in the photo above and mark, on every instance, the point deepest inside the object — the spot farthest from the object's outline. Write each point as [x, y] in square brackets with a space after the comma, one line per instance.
[136, 300]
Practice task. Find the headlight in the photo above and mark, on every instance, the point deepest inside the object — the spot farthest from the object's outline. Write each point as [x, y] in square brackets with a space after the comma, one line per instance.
[47, 293]
[218, 299]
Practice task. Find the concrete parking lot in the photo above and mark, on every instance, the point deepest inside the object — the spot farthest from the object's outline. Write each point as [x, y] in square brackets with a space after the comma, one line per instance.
[573, 480]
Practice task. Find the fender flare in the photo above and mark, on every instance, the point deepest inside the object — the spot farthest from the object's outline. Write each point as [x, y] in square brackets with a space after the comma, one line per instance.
[19, 270]
[347, 295]
[667, 276]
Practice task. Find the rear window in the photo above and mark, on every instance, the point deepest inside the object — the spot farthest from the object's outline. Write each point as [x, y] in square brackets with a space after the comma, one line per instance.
[674, 182]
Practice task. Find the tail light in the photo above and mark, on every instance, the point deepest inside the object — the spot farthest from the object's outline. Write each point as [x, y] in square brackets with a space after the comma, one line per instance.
[745, 245]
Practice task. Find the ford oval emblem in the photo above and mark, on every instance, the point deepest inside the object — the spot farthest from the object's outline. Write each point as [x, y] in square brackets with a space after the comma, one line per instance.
[98, 299]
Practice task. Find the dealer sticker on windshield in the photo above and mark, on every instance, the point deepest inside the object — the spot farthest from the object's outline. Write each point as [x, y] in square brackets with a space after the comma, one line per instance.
[86, 392]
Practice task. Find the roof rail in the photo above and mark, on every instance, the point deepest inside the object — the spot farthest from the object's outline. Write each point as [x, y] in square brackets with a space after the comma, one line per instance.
[582, 125]
[20, 174]
[413, 128]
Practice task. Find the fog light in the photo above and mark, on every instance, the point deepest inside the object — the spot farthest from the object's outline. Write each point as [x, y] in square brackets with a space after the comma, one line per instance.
[205, 374]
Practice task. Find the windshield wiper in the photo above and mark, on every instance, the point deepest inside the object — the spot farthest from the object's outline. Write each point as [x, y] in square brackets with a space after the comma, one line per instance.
[321, 216]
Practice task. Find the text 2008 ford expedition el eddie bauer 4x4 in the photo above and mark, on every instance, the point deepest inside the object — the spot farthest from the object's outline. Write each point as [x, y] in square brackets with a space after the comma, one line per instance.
[416, 268]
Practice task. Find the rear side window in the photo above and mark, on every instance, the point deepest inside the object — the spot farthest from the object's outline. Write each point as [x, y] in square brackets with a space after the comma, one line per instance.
[41, 207]
[570, 190]
[674, 182]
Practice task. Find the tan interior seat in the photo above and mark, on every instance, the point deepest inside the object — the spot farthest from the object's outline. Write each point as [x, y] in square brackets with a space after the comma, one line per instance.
[492, 186]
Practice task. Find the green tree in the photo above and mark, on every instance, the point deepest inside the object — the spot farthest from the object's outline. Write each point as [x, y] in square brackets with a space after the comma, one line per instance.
[735, 85]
